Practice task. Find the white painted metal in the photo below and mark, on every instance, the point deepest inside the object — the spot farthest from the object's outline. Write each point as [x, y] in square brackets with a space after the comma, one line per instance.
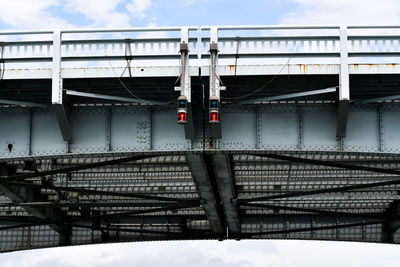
[310, 47]
[344, 80]
[56, 93]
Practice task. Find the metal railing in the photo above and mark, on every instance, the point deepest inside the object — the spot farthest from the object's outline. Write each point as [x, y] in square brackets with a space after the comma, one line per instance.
[160, 45]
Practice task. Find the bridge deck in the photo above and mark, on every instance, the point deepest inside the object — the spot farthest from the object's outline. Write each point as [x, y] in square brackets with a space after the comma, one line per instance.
[307, 145]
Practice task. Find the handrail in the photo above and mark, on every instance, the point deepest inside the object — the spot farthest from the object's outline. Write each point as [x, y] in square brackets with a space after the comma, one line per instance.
[322, 43]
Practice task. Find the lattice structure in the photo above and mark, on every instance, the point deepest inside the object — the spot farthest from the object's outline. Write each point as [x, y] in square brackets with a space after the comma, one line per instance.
[214, 132]
[52, 201]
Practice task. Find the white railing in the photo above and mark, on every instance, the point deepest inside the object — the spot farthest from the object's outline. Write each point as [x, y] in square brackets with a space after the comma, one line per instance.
[160, 46]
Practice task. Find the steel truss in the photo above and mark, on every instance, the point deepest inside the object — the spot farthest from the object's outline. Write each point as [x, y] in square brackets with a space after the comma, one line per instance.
[36, 196]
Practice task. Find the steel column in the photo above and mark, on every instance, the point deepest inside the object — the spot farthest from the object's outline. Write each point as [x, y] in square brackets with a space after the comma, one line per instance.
[226, 184]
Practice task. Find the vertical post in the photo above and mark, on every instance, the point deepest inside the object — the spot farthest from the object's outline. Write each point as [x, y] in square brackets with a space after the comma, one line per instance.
[56, 85]
[344, 85]
[30, 130]
[60, 110]
[214, 83]
[214, 103]
[381, 129]
[184, 49]
[344, 88]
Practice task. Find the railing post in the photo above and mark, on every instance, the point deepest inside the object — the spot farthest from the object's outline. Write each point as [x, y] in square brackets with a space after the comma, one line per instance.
[57, 98]
[344, 85]
[56, 92]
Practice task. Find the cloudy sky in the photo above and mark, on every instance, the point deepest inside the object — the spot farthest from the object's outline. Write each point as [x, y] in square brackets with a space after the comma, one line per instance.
[34, 14]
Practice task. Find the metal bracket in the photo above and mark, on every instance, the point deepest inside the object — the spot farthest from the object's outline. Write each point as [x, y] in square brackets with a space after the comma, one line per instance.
[185, 88]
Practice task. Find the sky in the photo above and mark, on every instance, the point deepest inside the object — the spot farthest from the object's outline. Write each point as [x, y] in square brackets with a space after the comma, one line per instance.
[63, 14]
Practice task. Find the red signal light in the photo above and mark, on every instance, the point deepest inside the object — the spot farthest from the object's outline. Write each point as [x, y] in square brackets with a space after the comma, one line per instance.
[182, 117]
[214, 118]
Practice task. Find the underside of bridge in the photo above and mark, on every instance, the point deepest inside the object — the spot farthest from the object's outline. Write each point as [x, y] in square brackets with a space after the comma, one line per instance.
[117, 197]
[112, 192]
[96, 154]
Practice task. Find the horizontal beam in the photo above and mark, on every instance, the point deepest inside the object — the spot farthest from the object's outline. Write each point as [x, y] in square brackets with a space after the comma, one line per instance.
[119, 229]
[380, 99]
[22, 103]
[100, 192]
[328, 163]
[112, 98]
[94, 204]
[140, 212]
[321, 191]
[16, 226]
[290, 96]
[316, 211]
[75, 168]
[310, 229]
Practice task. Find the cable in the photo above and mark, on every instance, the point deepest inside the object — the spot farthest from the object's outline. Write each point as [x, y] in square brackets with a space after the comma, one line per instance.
[128, 90]
[262, 87]
[129, 58]
[123, 85]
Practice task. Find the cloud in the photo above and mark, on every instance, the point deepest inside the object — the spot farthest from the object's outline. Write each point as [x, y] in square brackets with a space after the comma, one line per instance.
[210, 253]
[138, 8]
[343, 12]
[103, 13]
[30, 14]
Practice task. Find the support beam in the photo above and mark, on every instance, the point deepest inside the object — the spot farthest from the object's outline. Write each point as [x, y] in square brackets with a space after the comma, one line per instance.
[342, 115]
[316, 211]
[141, 212]
[344, 85]
[380, 99]
[63, 117]
[310, 229]
[101, 192]
[328, 163]
[185, 203]
[111, 98]
[54, 216]
[203, 174]
[290, 96]
[224, 173]
[321, 191]
[11, 178]
[392, 224]
[16, 226]
[61, 110]
[22, 103]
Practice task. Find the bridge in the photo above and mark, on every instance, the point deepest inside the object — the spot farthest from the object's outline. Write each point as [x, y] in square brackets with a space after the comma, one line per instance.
[214, 132]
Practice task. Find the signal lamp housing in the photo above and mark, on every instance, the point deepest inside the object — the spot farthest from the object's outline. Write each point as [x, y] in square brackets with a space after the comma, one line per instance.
[182, 110]
[214, 111]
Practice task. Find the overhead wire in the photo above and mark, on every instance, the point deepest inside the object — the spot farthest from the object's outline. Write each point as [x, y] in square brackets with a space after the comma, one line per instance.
[124, 86]
[129, 58]
[262, 87]
[128, 90]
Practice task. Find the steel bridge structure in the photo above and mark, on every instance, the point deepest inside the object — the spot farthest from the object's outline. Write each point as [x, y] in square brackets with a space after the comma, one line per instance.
[214, 132]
